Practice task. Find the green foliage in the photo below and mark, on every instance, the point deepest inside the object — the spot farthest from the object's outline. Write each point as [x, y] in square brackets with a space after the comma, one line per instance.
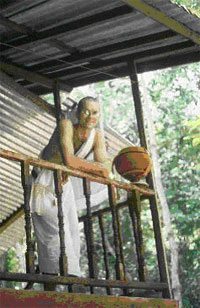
[175, 94]
[11, 265]
[193, 132]
[192, 5]
[175, 102]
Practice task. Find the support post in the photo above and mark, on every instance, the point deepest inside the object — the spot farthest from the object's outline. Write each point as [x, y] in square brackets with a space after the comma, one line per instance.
[119, 266]
[134, 211]
[58, 190]
[89, 231]
[29, 255]
[57, 102]
[161, 257]
[105, 254]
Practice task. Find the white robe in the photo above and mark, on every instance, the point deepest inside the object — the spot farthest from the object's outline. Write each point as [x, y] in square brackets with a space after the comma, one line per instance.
[44, 214]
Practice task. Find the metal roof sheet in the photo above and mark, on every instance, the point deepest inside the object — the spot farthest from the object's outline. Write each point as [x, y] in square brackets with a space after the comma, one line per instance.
[84, 34]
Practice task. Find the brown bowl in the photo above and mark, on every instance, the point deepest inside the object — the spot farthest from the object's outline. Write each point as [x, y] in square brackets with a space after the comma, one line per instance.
[132, 163]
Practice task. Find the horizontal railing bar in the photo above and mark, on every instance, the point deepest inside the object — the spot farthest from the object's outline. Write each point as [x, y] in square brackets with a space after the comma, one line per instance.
[120, 205]
[52, 166]
[103, 211]
[38, 278]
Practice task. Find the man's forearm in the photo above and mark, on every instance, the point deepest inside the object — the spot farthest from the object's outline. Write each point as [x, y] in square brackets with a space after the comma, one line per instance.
[86, 166]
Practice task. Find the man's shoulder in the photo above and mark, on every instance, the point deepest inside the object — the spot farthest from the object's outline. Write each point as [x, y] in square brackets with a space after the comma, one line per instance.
[67, 122]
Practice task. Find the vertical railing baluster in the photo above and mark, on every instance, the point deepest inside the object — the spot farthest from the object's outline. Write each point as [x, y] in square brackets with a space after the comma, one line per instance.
[120, 242]
[89, 231]
[123, 274]
[120, 271]
[25, 172]
[105, 255]
[134, 210]
[58, 191]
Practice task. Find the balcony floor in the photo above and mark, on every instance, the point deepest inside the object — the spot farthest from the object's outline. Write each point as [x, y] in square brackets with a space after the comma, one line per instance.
[27, 298]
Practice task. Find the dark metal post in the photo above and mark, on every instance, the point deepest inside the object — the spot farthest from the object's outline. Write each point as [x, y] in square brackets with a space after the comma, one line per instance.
[89, 230]
[162, 262]
[119, 267]
[57, 102]
[58, 191]
[105, 255]
[134, 210]
[25, 171]
[120, 243]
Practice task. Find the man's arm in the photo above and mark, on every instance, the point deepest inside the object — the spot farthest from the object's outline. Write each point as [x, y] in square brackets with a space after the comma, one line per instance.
[100, 153]
[66, 139]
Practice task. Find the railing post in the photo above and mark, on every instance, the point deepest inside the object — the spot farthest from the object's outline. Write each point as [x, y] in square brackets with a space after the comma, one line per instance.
[134, 210]
[58, 188]
[161, 256]
[162, 262]
[105, 255]
[119, 266]
[29, 255]
[58, 191]
[88, 229]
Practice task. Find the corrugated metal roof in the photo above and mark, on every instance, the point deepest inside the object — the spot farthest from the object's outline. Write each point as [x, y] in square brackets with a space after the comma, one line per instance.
[61, 34]
[25, 128]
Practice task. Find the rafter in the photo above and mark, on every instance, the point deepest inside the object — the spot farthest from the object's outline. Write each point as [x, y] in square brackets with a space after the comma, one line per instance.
[28, 31]
[161, 17]
[162, 51]
[31, 96]
[48, 34]
[18, 71]
[14, 26]
[102, 51]
[121, 69]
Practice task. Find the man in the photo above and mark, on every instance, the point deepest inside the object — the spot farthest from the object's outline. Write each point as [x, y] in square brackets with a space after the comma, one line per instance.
[78, 142]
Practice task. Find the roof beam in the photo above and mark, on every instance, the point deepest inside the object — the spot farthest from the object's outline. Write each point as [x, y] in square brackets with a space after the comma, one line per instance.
[31, 96]
[14, 26]
[162, 18]
[102, 51]
[28, 31]
[146, 66]
[70, 26]
[170, 61]
[18, 71]
[162, 51]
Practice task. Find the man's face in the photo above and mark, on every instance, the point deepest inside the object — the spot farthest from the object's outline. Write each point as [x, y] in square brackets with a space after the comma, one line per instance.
[89, 116]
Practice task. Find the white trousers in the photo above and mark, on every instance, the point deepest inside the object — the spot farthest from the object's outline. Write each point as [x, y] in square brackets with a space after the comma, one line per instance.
[45, 220]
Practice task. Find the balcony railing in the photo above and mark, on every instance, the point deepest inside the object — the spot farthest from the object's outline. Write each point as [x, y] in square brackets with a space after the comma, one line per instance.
[133, 203]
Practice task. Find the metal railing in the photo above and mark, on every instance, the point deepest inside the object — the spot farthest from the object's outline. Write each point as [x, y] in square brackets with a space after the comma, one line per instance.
[133, 204]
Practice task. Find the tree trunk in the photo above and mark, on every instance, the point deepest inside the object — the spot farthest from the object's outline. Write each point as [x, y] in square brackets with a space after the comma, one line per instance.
[169, 234]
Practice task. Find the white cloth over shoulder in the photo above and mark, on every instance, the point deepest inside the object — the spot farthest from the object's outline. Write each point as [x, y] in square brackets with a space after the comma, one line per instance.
[44, 213]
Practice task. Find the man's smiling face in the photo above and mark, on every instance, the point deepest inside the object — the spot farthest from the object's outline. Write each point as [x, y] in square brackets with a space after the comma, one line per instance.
[89, 115]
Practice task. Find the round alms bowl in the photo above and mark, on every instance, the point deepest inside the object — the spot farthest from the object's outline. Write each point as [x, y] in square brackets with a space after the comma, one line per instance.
[132, 163]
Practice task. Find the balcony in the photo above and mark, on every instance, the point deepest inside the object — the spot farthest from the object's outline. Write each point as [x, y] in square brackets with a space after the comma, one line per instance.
[120, 286]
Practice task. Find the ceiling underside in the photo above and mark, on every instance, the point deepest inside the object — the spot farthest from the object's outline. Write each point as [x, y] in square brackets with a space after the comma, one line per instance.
[82, 41]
